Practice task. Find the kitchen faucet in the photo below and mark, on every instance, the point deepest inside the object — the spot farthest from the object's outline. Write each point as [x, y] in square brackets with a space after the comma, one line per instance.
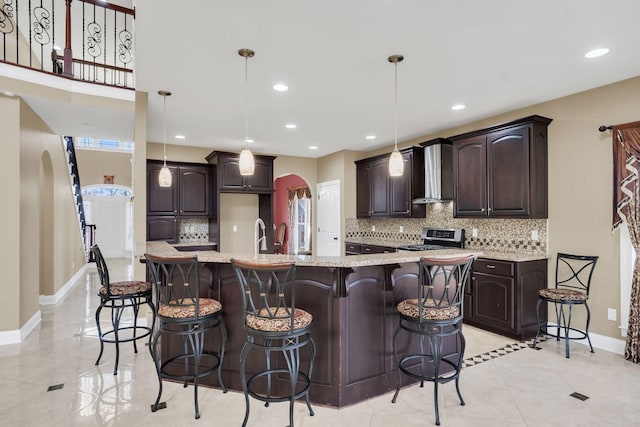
[257, 239]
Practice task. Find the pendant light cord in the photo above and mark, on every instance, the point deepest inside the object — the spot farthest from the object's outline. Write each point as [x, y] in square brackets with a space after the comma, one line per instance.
[246, 102]
[395, 100]
[164, 127]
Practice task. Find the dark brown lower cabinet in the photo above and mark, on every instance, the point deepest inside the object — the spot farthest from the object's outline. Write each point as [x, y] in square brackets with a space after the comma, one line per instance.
[162, 228]
[501, 296]
[354, 318]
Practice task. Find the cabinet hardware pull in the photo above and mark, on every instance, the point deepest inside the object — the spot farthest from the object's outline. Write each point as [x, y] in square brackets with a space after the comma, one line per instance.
[489, 209]
[482, 210]
[491, 266]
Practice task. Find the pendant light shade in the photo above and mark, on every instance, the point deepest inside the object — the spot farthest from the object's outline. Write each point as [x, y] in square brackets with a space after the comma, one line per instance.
[164, 178]
[396, 162]
[247, 165]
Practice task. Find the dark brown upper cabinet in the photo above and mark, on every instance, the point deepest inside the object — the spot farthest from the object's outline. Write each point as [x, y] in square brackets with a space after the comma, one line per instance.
[380, 195]
[230, 180]
[502, 171]
[188, 196]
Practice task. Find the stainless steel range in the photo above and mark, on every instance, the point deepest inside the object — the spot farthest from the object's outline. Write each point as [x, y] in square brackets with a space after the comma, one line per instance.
[437, 238]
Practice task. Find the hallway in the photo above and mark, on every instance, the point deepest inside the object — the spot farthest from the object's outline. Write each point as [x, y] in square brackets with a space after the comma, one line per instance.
[514, 386]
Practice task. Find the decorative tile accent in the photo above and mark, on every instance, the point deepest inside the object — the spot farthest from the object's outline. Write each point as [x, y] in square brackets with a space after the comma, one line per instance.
[55, 387]
[504, 235]
[508, 349]
[194, 230]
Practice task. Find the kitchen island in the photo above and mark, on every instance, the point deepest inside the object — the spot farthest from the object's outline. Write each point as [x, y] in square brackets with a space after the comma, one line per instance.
[352, 300]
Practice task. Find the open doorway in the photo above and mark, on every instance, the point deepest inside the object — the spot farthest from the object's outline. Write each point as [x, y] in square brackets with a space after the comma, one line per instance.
[292, 207]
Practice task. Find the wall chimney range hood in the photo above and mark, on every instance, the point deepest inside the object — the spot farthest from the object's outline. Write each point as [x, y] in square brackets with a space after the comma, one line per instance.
[438, 173]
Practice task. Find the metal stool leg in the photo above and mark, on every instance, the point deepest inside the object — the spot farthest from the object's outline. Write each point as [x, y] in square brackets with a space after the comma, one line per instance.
[586, 330]
[395, 359]
[310, 372]
[535, 340]
[99, 333]
[243, 379]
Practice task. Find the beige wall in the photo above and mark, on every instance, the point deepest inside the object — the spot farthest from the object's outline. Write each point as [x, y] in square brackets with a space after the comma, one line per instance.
[140, 183]
[240, 210]
[93, 165]
[178, 153]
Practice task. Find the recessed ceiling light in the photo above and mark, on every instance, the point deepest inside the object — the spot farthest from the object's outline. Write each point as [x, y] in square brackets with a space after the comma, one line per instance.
[280, 87]
[9, 94]
[290, 126]
[313, 147]
[181, 137]
[370, 137]
[248, 140]
[458, 107]
[596, 52]
[89, 124]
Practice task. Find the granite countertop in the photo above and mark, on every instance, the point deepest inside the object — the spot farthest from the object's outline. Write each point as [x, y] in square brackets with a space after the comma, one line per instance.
[166, 249]
[497, 255]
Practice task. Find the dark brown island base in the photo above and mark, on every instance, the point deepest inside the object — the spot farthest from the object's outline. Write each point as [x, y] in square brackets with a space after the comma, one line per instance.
[353, 302]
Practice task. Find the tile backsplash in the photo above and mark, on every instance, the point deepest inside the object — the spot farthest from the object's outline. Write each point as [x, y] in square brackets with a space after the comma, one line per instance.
[505, 235]
[194, 230]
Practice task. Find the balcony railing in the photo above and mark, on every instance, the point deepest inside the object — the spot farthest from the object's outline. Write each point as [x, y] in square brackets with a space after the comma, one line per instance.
[89, 40]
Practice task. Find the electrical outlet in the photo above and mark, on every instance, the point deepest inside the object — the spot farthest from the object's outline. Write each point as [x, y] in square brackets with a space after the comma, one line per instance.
[401, 229]
[611, 314]
[474, 232]
[235, 228]
[373, 228]
[534, 234]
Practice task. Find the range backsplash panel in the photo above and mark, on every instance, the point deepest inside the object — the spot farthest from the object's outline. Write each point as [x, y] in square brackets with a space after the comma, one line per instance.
[505, 235]
[194, 230]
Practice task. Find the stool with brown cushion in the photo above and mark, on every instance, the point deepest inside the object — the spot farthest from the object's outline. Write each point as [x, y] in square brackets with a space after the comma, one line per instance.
[182, 312]
[118, 296]
[434, 316]
[274, 324]
[573, 281]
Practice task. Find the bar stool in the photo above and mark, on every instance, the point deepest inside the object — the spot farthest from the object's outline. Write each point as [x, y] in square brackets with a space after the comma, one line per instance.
[434, 315]
[274, 324]
[573, 281]
[118, 296]
[182, 312]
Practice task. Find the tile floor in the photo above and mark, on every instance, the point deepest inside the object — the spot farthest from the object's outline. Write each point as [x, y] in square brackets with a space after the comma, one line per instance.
[520, 388]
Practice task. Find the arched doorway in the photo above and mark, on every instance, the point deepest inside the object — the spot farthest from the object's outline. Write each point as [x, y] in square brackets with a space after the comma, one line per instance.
[292, 206]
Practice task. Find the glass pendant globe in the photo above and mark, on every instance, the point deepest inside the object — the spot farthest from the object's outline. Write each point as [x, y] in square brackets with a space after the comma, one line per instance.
[247, 164]
[396, 163]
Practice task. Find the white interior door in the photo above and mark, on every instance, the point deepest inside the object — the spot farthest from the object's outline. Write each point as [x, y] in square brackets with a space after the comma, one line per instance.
[329, 240]
[109, 214]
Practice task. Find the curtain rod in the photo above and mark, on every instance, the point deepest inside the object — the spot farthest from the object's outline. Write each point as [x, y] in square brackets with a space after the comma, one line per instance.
[605, 128]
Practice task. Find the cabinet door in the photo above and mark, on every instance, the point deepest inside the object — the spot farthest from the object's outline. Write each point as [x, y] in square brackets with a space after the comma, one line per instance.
[229, 172]
[162, 228]
[380, 187]
[262, 178]
[508, 172]
[470, 177]
[161, 200]
[493, 301]
[195, 191]
[363, 190]
[400, 189]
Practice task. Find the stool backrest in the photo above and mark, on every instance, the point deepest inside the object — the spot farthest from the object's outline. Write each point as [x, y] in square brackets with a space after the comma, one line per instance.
[441, 283]
[101, 265]
[176, 281]
[263, 289]
[280, 234]
[575, 271]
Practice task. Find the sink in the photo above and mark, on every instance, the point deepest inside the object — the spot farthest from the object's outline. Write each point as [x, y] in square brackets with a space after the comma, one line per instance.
[192, 248]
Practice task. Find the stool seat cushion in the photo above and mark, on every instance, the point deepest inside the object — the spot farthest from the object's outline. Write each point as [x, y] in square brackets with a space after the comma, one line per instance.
[430, 311]
[187, 308]
[130, 287]
[562, 294]
[280, 322]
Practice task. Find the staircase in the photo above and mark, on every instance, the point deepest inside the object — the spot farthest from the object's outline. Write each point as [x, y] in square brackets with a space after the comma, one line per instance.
[87, 230]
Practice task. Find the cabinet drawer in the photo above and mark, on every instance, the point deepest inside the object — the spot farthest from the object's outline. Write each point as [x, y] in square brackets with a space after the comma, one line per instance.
[352, 248]
[489, 266]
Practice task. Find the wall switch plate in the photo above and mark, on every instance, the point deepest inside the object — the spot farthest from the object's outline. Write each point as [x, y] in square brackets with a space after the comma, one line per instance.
[401, 229]
[534, 234]
[373, 228]
[235, 228]
[611, 314]
[474, 232]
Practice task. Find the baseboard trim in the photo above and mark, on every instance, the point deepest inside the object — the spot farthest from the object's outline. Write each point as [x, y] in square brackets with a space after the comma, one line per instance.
[18, 335]
[614, 345]
[58, 296]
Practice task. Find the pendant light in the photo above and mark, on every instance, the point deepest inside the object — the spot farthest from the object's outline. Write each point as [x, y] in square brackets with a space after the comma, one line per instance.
[396, 162]
[246, 162]
[164, 178]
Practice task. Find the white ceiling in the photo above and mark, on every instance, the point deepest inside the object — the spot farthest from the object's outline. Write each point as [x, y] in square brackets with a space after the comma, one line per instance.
[492, 55]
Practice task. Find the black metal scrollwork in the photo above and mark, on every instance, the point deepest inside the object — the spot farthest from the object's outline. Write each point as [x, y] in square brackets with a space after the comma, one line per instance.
[41, 25]
[6, 13]
[124, 48]
[94, 39]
